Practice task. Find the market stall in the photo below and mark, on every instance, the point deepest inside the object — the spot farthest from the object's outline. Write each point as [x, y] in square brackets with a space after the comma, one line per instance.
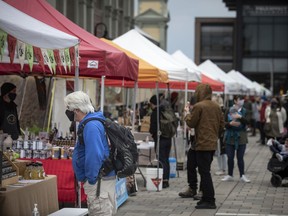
[20, 36]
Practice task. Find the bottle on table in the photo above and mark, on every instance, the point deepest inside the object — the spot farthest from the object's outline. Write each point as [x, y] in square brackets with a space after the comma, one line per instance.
[35, 211]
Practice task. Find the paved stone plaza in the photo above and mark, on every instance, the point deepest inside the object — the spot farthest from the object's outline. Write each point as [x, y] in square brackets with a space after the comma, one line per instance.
[232, 198]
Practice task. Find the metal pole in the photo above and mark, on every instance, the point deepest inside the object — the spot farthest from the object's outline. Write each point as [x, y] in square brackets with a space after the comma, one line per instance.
[158, 133]
[102, 93]
[271, 77]
[134, 106]
[76, 82]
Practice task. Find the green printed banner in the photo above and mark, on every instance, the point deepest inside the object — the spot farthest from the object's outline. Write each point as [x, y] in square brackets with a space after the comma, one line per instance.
[3, 39]
[46, 59]
[52, 60]
[62, 58]
[29, 55]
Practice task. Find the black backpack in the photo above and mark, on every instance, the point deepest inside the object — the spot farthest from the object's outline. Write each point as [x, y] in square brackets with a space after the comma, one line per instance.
[123, 149]
[168, 122]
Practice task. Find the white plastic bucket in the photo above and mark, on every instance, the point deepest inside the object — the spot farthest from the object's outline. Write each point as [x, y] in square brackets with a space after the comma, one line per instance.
[173, 164]
[152, 180]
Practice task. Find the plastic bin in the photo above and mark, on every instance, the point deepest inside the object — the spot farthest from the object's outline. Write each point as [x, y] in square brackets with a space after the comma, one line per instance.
[152, 180]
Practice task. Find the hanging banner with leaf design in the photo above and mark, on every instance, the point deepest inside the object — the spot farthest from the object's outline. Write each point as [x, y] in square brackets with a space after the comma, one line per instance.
[21, 53]
[63, 61]
[67, 59]
[29, 56]
[11, 47]
[52, 60]
[3, 38]
[46, 59]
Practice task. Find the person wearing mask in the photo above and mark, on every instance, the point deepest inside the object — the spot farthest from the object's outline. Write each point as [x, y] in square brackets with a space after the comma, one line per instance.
[89, 154]
[236, 138]
[207, 120]
[9, 122]
[275, 115]
[164, 142]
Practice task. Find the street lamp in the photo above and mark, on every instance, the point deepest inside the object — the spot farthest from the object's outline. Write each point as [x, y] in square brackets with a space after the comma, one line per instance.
[100, 30]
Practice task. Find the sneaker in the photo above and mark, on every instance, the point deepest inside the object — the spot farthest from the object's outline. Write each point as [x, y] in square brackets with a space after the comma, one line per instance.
[270, 142]
[244, 179]
[189, 193]
[227, 178]
[279, 157]
[206, 205]
[219, 173]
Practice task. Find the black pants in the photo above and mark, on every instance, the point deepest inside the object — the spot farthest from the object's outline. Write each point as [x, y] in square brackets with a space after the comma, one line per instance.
[262, 133]
[204, 160]
[192, 170]
[164, 153]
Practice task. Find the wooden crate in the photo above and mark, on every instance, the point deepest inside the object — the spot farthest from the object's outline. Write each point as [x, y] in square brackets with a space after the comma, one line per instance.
[13, 179]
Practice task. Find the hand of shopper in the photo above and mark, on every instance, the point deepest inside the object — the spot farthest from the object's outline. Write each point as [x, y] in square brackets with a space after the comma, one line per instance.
[235, 124]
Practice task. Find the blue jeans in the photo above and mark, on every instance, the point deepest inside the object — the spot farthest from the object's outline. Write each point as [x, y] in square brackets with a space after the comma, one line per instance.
[230, 151]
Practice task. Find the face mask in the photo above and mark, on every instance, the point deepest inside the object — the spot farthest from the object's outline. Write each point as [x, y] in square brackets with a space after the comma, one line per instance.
[70, 115]
[12, 96]
[274, 105]
[240, 103]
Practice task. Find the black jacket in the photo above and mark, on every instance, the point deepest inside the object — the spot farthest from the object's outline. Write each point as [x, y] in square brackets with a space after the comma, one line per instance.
[9, 122]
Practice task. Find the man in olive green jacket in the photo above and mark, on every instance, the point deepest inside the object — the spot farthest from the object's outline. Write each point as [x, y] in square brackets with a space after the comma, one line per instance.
[207, 120]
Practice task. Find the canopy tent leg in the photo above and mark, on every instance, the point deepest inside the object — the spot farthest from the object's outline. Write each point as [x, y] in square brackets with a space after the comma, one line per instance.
[102, 93]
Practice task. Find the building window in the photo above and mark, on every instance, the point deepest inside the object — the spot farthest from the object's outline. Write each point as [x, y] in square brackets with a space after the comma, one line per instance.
[217, 44]
[265, 44]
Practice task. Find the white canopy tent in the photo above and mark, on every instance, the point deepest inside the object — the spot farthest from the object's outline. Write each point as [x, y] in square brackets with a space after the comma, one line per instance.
[245, 81]
[181, 57]
[145, 49]
[211, 70]
[261, 89]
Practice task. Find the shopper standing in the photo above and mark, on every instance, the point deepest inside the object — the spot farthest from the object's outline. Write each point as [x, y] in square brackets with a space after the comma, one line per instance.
[236, 139]
[164, 142]
[207, 119]
[89, 154]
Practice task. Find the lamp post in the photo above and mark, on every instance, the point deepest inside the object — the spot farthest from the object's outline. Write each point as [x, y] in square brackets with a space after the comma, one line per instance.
[101, 31]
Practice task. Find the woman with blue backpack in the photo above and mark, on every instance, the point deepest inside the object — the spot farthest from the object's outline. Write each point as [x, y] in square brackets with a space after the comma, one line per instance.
[235, 138]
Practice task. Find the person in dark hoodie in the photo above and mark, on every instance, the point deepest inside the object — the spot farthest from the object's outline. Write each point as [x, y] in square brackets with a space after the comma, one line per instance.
[164, 143]
[9, 122]
[207, 120]
[88, 157]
